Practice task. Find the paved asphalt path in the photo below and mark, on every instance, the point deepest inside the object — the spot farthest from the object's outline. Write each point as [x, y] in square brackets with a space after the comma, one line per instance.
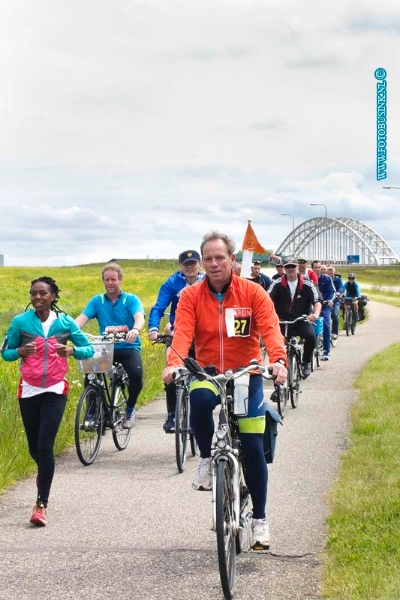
[130, 526]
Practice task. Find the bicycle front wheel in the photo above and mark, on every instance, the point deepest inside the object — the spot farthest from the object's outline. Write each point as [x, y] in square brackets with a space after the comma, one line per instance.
[225, 527]
[120, 435]
[294, 381]
[318, 350]
[181, 428]
[89, 422]
[282, 398]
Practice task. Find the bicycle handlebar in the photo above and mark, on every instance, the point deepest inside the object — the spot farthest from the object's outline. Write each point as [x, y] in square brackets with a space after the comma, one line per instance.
[107, 337]
[301, 318]
[163, 338]
[191, 366]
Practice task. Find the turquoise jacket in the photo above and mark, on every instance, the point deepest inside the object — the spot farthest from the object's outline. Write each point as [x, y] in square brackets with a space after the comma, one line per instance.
[46, 367]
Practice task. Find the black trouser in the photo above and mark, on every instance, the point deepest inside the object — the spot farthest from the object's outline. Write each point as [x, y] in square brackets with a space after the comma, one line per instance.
[41, 416]
[306, 331]
[131, 360]
[170, 388]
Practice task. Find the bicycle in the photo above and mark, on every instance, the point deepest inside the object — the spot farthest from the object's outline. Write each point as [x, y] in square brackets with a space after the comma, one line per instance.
[350, 316]
[231, 519]
[319, 346]
[333, 339]
[102, 404]
[183, 433]
[294, 351]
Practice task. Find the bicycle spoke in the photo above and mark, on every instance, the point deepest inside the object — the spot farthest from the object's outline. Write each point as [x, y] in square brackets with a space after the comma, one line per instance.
[181, 427]
[120, 435]
[225, 519]
[89, 421]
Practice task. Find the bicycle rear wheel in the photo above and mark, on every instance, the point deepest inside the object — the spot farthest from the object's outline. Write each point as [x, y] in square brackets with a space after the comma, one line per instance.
[225, 519]
[243, 537]
[193, 445]
[89, 423]
[119, 397]
[353, 324]
[347, 322]
[294, 367]
[181, 428]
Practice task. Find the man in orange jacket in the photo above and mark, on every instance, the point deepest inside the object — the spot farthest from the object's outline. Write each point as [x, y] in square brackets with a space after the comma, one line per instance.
[226, 315]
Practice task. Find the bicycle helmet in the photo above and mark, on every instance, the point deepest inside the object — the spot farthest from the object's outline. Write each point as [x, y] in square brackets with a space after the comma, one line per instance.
[351, 276]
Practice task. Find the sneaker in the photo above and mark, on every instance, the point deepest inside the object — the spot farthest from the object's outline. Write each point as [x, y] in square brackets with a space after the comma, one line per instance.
[334, 336]
[325, 356]
[274, 396]
[169, 425]
[260, 539]
[202, 479]
[129, 421]
[39, 515]
[305, 369]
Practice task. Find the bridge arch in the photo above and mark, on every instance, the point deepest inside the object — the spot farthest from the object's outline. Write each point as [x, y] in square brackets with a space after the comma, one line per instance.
[334, 240]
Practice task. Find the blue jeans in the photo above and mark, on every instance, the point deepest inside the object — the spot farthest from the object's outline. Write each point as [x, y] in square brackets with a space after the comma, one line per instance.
[326, 332]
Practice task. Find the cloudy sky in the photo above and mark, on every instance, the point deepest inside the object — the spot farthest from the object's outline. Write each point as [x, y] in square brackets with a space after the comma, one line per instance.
[130, 128]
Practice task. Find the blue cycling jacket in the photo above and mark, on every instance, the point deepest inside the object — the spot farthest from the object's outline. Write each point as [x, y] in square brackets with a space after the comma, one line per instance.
[326, 287]
[338, 283]
[352, 290]
[169, 294]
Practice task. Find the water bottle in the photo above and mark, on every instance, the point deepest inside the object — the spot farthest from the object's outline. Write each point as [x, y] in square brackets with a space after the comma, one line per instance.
[241, 395]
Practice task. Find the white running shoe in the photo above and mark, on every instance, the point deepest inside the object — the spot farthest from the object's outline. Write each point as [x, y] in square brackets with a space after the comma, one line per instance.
[130, 422]
[260, 534]
[202, 480]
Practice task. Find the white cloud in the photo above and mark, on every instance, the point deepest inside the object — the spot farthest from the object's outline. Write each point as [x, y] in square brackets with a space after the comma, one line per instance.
[132, 128]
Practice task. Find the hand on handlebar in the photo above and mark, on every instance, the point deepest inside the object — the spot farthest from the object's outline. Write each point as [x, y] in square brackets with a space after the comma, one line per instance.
[168, 374]
[279, 373]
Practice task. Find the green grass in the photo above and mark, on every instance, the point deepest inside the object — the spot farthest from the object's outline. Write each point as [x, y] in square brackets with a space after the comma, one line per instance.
[373, 275]
[391, 298]
[77, 285]
[362, 558]
[363, 549]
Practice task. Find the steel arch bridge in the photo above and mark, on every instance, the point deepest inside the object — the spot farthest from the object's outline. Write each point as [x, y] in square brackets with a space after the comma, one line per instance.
[334, 240]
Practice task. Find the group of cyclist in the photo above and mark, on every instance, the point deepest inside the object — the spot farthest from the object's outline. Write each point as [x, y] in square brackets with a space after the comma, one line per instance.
[316, 292]
[222, 313]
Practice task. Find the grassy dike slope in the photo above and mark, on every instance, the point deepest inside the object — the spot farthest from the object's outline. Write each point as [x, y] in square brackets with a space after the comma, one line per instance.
[77, 285]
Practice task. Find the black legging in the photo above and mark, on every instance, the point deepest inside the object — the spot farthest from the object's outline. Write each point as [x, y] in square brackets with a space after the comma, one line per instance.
[131, 360]
[306, 331]
[41, 416]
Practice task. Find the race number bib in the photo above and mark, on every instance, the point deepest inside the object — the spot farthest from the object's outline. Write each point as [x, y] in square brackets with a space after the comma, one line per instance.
[238, 321]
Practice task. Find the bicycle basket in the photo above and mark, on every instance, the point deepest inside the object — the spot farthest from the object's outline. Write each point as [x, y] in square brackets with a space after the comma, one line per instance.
[318, 326]
[102, 359]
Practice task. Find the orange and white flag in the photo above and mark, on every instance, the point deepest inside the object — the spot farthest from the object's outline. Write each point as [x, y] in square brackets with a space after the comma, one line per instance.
[251, 242]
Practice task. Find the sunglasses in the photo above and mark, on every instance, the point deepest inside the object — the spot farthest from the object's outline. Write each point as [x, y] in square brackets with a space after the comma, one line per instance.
[302, 262]
[290, 266]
